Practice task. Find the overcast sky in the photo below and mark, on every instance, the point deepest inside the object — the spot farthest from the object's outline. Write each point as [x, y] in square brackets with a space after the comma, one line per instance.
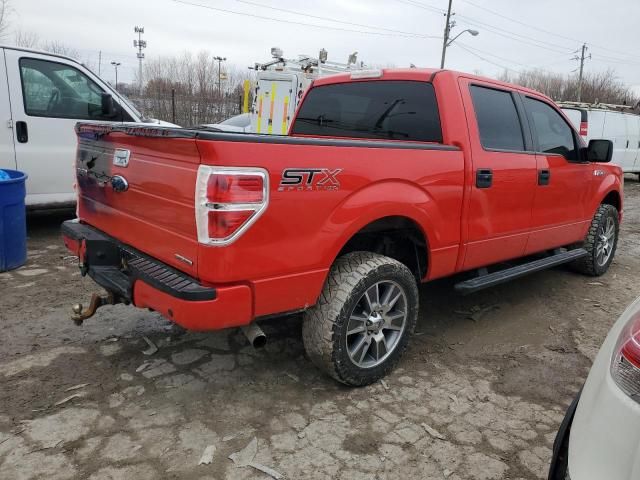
[512, 33]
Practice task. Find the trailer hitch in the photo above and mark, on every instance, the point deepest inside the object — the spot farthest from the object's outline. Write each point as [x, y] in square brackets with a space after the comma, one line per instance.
[79, 315]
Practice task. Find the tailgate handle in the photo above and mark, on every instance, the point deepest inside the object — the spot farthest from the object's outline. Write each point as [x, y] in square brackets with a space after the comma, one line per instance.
[22, 132]
[544, 176]
[484, 178]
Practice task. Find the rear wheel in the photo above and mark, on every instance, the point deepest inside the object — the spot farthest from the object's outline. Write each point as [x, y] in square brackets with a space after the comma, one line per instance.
[361, 324]
[601, 242]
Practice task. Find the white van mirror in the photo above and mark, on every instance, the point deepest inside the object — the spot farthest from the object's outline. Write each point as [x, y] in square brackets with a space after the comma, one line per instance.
[108, 105]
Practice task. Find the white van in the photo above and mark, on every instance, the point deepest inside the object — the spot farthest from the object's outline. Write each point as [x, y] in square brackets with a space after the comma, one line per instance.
[42, 96]
[601, 121]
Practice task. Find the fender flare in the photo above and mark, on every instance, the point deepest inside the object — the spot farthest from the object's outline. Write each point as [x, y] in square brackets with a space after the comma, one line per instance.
[388, 198]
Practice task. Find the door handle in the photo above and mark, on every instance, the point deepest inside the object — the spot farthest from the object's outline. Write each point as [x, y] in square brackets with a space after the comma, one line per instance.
[544, 176]
[484, 178]
[22, 132]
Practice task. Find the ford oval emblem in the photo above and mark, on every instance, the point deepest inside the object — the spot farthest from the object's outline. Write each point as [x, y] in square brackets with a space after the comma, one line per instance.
[119, 183]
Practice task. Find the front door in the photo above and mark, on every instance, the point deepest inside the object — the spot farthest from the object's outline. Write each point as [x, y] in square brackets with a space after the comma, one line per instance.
[563, 187]
[7, 152]
[503, 175]
[48, 96]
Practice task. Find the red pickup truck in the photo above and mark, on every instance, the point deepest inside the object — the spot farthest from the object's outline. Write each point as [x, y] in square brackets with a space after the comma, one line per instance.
[387, 179]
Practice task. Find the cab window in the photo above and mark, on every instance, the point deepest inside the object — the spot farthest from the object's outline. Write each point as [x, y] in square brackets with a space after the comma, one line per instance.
[385, 109]
[57, 90]
[552, 132]
[498, 120]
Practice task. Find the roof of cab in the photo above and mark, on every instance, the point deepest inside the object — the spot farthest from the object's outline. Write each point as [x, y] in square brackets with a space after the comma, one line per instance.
[420, 74]
[39, 52]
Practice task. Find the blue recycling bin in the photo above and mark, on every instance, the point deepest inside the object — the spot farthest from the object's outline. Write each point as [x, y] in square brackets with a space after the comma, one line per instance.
[13, 220]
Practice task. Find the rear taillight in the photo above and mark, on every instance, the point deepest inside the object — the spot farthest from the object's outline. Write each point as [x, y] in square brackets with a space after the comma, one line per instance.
[584, 128]
[228, 201]
[625, 365]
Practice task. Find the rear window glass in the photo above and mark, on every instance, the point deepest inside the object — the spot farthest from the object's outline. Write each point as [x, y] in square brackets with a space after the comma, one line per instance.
[498, 119]
[396, 110]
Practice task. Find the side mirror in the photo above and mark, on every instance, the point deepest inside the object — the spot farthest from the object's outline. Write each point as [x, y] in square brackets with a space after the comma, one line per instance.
[108, 105]
[600, 151]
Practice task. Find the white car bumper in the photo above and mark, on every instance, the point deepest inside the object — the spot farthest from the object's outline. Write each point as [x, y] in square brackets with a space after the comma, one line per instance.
[605, 436]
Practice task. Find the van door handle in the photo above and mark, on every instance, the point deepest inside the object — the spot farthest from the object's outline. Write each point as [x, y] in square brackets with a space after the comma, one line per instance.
[22, 133]
[544, 176]
[484, 178]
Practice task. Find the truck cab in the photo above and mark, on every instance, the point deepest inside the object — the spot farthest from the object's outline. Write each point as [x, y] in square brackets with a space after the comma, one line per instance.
[42, 96]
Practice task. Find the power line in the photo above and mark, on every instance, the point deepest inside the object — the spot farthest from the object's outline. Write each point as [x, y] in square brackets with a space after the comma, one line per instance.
[540, 29]
[318, 17]
[486, 59]
[292, 22]
[562, 59]
[554, 47]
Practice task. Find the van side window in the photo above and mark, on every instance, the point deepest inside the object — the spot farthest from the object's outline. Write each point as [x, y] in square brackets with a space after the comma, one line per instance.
[553, 133]
[381, 109]
[497, 118]
[57, 90]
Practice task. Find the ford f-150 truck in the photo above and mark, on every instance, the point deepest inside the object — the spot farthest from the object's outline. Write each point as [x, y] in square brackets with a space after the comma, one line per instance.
[386, 179]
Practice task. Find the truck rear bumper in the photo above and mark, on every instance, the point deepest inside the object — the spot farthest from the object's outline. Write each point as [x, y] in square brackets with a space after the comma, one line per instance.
[134, 277]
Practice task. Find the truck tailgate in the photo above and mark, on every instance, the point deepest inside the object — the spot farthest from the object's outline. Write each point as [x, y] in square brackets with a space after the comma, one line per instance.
[140, 189]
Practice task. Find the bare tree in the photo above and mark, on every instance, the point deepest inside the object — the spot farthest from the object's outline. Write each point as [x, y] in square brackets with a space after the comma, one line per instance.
[192, 81]
[5, 13]
[26, 39]
[60, 48]
[602, 87]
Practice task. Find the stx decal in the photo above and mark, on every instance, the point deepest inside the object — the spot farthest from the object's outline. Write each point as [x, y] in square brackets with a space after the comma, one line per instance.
[309, 179]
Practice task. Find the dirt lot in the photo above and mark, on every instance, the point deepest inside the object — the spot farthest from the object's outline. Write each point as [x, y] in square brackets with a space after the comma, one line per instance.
[474, 398]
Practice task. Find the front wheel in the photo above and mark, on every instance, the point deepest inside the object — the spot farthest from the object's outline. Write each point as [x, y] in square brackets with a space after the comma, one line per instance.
[601, 242]
[361, 325]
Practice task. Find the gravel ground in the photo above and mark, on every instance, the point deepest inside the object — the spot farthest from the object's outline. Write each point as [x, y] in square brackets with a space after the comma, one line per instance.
[479, 394]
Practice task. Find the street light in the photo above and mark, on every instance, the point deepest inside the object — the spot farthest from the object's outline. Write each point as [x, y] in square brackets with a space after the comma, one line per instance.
[448, 42]
[475, 33]
[116, 65]
[220, 60]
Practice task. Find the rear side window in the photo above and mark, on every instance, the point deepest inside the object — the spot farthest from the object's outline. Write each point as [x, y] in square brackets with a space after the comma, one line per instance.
[553, 133]
[498, 119]
[396, 110]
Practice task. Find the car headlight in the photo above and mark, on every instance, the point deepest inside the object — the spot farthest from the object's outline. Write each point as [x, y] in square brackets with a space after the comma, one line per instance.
[625, 364]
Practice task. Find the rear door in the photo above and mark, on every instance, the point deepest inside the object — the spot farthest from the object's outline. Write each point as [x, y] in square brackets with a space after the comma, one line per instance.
[48, 96]
[633, 142]
[7, 152]
[503, 178]
[615, 129]
[274, 103]
[563, 183]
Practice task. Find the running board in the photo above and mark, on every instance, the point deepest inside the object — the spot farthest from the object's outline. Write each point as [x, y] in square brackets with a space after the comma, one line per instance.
[502, 276]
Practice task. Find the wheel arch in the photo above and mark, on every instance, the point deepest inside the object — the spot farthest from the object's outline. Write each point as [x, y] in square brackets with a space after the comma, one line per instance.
[392, 209]
[396, 236]
[614, 199]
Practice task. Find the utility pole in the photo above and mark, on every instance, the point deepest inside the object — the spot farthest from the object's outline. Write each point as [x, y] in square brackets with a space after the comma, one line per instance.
[581, 59]
[140, 45]
[220, 60]
[447, 31]
[99, 62]
[116, 65]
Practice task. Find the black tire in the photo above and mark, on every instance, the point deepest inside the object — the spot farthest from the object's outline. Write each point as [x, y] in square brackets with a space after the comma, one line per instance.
[324, 328]
[590, 265]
